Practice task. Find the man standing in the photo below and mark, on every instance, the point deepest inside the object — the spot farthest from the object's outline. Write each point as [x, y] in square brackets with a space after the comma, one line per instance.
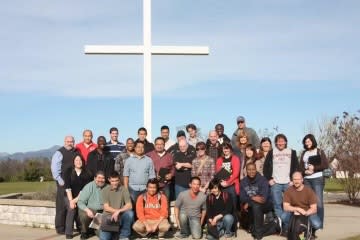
[175, 147]
[138, 169]
[190, 210]
[87, 145]
[256, 200]
[100, 159]
[163, 164]
[165, 134]
[183, 163]
[219, 128]
[213, 147]
[252, 136]
[90, 202]
[121, 158]
[300, 201]
[280, 163]
[62, 160]
[152, 211]
[115, 147]
[142, 133]
[193, 138]
[117, 209]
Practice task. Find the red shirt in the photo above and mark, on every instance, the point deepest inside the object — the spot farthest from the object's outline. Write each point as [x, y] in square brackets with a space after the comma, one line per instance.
[84, 151]
[234, 177]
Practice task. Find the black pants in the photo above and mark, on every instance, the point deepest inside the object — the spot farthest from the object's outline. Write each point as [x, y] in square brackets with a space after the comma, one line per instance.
[60, 208]
[256, 215]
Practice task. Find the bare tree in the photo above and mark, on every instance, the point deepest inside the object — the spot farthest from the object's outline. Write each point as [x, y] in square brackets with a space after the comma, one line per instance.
[340, 139]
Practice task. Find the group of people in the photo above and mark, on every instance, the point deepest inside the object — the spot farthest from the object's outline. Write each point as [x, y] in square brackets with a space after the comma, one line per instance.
[215, 183]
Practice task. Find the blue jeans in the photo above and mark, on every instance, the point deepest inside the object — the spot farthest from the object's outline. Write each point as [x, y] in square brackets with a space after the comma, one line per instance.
[190, 225]
[277, 191]
[317, 185]
[134, 194]
[179, 189]
[224, 226]
[231, 191]
[125, 222]
[314, 219]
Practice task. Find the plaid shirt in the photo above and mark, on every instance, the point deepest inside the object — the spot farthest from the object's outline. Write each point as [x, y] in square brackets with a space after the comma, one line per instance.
[207, 172]
[120, 163]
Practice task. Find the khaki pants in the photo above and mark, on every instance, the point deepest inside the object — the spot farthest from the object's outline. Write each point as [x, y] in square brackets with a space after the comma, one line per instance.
[140, 228]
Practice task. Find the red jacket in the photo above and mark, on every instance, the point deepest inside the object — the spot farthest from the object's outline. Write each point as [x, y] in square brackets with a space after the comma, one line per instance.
[235, 167]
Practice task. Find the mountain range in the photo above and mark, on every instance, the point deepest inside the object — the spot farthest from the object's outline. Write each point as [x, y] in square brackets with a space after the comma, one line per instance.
[43, 153]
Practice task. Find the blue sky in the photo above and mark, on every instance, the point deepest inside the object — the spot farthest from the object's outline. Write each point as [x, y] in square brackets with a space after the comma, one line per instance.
[278, 63]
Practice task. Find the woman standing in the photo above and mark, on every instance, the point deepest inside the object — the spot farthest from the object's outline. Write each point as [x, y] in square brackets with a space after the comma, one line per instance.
[203, 166]
[250, 157]
[230, 164]
[75, 179]
[312, 163]
[265, 147]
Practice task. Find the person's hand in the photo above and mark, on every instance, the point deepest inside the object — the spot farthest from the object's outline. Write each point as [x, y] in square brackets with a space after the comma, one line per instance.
[168, 177]
[223, 183]
[115, 216]
[291, 183]
[158, 177]
[300, 211]
[311, 167]
[258, 199]
[72, 204]
[271, 182]
[213, 222]
[203, 189]
[245, 207]
[148, 228]
[89, 213]
[154, 228]
[178, 165]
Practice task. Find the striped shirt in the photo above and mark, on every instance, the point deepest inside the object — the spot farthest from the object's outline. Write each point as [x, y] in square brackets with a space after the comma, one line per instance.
[115, 148]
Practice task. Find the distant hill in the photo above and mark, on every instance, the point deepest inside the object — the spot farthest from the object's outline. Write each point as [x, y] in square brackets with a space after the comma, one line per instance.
[44, 153]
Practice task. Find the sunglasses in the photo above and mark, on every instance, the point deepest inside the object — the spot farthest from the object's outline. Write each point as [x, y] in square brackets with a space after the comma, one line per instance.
[240, 122]
[200, 148]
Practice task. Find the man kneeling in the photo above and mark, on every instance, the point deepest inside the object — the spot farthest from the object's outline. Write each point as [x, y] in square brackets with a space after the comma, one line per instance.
[190, 210]
[117, 216]
[255, 200]
[152, 211]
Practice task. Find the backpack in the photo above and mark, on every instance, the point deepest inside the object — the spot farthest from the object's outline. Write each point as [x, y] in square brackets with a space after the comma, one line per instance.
[145, 198]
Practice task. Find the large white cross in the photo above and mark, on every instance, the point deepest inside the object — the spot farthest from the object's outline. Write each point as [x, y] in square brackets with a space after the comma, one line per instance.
[147, 50]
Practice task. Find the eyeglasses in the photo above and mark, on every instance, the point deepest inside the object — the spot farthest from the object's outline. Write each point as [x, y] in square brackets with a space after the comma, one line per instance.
[200, 148]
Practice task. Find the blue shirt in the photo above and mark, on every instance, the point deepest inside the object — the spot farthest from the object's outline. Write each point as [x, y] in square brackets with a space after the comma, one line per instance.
[56, 167]
[139, 170]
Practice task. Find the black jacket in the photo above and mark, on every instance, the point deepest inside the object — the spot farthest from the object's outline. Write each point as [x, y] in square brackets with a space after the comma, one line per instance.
[268, 164]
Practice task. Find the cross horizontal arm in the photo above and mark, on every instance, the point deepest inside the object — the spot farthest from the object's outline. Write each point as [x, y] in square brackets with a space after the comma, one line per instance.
[113, 49]
[155, 50]
[179, 50]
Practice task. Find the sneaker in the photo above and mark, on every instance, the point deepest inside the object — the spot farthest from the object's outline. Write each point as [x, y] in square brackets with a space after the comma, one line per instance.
[278, 222]
[83, 236]
[180, 236]
[228, 235]
[125, 238]
[68, 236]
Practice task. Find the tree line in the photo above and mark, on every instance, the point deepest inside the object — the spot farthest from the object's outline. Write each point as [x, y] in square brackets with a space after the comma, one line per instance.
[12, 170]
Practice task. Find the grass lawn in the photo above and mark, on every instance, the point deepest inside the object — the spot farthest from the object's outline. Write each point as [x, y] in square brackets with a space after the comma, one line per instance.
[333, 185]
[22, 187]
